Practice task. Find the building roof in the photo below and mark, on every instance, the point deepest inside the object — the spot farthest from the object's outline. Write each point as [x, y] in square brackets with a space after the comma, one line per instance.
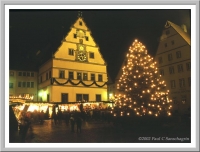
[182, 33]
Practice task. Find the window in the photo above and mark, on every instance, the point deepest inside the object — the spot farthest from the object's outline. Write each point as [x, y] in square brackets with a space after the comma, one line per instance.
[28, 74]
[19, 73]
[82, 97]
[75, 36]
[160, 60]
[85, 76]
[19, 84]
[173, 85]
[165, 44]
[79, 76]
[81, 41]
[100, 77]
[92, 55]
[24, 84]
[180, 68]
[167, 32]
[188, 66]
[93, 77]
[24, 73]
[161, 72]
[32, 74]
[71, 52]
[189, 81]
[28, 84]
[172, 42]
[10, 85]
[11, 73]
[182, 83]
[178, 54]
[86, 38]
[61, 74]
[32, 84]
[169, 57]
[80, 23]
[98, 97]
[40, 79]
[64, 97]
[47, 76]
[71, 75]
[171, 70]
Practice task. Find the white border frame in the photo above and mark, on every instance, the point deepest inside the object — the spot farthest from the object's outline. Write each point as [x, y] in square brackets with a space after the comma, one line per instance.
[5, 5]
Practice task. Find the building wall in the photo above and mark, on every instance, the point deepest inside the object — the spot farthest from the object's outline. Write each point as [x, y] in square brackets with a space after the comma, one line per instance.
[173, 52]
[66, 60]
[23, 84]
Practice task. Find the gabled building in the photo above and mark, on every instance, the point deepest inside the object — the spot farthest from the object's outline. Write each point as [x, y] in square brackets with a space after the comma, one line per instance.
[174, 62]
[76, 72]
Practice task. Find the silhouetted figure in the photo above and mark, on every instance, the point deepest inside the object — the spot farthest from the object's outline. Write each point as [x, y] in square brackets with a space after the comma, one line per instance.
[79, 123]
[72, 122]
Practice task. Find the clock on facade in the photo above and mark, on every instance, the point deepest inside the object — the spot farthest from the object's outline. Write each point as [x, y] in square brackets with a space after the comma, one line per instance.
[81, 47]
[82, 56]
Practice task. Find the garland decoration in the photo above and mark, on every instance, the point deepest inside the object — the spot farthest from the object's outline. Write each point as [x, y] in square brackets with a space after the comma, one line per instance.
[80, 82]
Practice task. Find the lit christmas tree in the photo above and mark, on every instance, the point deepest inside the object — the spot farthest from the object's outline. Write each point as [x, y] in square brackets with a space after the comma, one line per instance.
[140, 86]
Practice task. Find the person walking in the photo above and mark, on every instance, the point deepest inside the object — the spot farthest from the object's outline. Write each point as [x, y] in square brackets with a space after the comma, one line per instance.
[72, 122]
[78, 123]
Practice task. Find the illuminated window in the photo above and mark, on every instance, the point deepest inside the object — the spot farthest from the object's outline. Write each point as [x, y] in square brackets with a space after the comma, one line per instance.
[98, 97]
[180, 68]
[169, 57]
[171, 70]
[10, 85]
[188, 66]
[61, 74]
[178, 54]
[92, 55]
[182, 83]
[85, 76]
[100, 77]
[79, 76]
[71, 75]
[93, 77]
[71, 52]
[173, 85]
[82, 97]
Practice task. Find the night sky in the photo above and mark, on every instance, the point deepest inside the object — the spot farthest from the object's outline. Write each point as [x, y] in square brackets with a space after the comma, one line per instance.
[113, 30]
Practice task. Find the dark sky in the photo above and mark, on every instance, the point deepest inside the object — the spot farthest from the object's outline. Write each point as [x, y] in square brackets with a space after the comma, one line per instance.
[113, 30]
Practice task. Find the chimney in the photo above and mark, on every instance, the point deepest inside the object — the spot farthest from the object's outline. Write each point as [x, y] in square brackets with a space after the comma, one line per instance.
[183, 26]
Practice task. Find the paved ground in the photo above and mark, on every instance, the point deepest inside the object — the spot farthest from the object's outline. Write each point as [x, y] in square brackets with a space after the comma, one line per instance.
[104, 132]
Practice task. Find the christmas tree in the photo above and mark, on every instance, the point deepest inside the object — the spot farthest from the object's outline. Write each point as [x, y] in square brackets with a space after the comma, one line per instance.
[140, 86]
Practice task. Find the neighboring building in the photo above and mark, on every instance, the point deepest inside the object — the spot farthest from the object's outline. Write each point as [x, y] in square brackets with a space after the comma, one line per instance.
[174, 62]
[77, 71]
[22, 85]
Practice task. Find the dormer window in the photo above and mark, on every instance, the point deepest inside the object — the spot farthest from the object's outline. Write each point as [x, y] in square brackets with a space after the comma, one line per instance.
[86, 38]
[80, 23]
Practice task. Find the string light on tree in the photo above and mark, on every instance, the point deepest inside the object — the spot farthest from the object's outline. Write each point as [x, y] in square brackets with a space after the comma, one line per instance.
[140, 86]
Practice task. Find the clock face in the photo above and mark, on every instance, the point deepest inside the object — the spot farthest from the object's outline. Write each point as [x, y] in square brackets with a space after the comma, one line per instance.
[82, 56]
